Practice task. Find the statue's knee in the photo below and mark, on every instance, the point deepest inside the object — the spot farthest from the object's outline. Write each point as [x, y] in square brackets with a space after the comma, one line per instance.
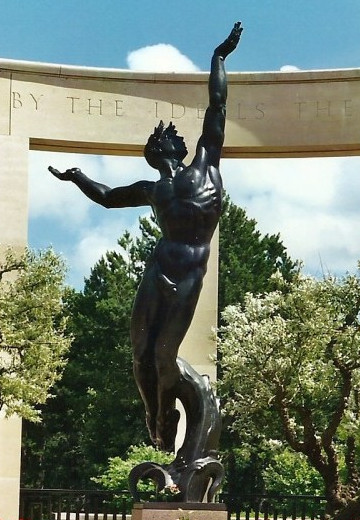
[142, 361]
[167, 373]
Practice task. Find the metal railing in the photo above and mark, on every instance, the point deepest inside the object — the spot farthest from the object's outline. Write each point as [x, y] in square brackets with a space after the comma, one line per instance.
[60, 504]
[274, 507]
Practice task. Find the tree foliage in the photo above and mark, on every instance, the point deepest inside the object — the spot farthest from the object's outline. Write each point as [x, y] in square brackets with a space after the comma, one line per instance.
[95, 413]
[32, 330]
[247, 261]
[291, 371]
[289, 473]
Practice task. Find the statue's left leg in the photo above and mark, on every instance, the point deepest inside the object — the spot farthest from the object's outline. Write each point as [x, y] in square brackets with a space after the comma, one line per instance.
[144, 318]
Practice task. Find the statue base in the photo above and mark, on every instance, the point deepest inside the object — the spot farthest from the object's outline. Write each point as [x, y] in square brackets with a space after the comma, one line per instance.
[178, 511]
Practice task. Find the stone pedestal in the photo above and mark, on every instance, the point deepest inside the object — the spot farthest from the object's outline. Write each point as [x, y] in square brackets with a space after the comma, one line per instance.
[178, 511]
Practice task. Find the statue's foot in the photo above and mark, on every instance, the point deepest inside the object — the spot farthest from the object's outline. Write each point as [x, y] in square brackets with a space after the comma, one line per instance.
[166, 430]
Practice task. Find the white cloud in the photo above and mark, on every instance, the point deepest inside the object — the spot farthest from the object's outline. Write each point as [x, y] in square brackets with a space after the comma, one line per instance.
[160, 58]
[116, 171]
[93, 241]
[289, 68]
[50, 197]
[311, 202]
[80, 229]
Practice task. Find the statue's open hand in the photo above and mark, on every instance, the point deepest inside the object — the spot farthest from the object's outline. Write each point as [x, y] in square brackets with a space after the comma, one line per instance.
[230, 44]
[67, 175]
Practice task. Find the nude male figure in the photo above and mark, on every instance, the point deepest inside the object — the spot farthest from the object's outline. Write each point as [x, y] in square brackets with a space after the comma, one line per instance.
[187, 203]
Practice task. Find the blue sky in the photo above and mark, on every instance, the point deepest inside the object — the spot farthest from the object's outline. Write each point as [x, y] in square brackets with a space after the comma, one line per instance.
[310, 34]
[313, 203]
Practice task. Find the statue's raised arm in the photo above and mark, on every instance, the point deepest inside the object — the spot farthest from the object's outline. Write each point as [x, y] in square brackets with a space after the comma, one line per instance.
[230, 43]
[214, 123]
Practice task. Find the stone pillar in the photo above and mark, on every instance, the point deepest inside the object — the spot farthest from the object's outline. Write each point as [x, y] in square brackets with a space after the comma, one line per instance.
[13, 232]
[199, 347]
[10, 451]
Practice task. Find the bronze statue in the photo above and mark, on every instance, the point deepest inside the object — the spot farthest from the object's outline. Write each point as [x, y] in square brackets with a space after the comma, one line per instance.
[187, 203]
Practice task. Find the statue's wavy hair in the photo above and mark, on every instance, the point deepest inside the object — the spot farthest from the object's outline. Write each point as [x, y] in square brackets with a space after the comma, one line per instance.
[161, 133]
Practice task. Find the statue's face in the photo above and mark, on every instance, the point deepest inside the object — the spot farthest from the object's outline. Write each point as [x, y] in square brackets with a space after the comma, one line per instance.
[161, 150]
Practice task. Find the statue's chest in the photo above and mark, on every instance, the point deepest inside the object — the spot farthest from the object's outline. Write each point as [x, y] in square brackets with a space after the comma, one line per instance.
[184, 188]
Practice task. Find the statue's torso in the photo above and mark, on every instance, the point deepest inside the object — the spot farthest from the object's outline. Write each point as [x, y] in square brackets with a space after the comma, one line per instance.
[188, 208]
[188, 205]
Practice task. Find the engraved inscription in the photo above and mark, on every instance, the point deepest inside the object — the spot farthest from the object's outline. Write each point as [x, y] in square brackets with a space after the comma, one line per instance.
[177, 111]
[170, 110]
[97, 106]
[247, 111]
[36, 100]
[307, 110]
[18, 100]
[324, 109]
[118, 107]
[72, 99]
[200, 110]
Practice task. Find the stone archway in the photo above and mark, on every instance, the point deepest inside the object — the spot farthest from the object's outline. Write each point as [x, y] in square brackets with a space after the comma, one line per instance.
[108, 111]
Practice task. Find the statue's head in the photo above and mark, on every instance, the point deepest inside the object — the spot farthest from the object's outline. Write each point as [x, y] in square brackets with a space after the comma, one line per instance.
[164, 143]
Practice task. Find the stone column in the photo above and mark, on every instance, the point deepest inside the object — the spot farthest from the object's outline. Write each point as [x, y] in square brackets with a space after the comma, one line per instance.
[13, 232]
[10, 451]
[199, 346]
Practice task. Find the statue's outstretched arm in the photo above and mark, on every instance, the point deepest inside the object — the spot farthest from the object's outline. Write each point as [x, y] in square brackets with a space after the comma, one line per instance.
[137, 194]
[214, 123]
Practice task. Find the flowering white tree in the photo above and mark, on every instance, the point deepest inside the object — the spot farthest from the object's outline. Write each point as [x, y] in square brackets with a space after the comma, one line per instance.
[32, 340]
[290, 361]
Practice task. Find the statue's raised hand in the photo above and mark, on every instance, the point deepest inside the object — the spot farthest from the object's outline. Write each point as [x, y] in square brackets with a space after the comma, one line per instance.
[67, 175]
[230, 44]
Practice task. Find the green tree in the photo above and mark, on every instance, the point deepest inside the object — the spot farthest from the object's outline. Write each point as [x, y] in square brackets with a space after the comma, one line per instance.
[289, 473]
[291, 371]
[247, 261]
[32, 330]
[96, 412]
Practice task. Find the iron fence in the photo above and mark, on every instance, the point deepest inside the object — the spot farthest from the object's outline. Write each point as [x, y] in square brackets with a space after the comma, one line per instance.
[274, 507]
[60, 504]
